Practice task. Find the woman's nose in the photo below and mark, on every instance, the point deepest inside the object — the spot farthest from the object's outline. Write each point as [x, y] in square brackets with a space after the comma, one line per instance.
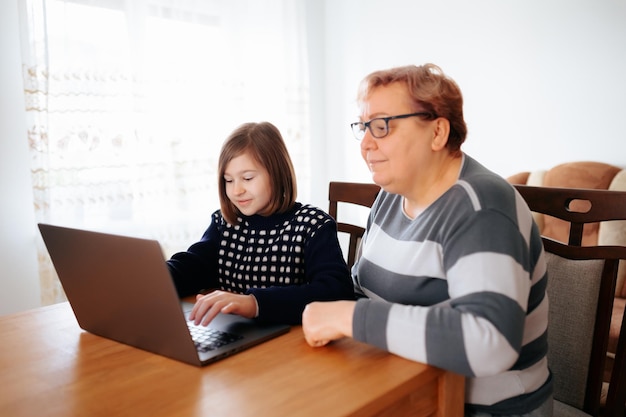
[368, 141]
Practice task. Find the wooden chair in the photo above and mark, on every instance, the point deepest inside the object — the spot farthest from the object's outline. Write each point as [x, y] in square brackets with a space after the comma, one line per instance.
[581, 289]
[361, 194]
[616, 397]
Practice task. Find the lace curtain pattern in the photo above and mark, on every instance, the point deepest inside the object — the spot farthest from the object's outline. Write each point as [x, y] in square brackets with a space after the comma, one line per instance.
[128, 102]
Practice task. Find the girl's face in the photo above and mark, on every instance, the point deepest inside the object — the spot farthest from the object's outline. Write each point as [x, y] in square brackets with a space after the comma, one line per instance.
[248, 185]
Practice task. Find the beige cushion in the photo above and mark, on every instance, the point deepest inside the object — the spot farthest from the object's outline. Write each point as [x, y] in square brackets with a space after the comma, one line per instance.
[535, 179]
[614, 233]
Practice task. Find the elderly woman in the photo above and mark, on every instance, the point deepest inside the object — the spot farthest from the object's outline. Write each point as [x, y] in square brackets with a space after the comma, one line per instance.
[451, 271]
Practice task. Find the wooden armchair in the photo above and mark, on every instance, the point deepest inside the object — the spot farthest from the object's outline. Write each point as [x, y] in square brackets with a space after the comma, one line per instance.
[593, 175]
[361, 194]
[581, 288]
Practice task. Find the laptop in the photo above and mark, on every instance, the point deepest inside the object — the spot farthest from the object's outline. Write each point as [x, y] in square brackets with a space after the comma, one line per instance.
[120, 288]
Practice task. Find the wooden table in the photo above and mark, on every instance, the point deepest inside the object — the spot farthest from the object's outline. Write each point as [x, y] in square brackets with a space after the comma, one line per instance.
[50, 367]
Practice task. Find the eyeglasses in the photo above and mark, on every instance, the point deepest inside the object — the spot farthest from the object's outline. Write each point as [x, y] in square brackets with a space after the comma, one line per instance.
[379, 127]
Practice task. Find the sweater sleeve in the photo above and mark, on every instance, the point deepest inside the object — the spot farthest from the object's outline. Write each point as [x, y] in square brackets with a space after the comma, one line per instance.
[327, 279]
[196, 269]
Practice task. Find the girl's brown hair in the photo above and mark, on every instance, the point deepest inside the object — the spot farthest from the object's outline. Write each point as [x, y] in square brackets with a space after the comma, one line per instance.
[430, 89]
[263, 142]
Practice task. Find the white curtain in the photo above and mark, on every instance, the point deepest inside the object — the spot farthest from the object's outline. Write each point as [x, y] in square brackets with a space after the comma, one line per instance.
[128, 103]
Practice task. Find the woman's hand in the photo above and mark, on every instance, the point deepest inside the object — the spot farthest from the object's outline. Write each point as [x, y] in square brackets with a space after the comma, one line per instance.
[209, 305]
[323, 322]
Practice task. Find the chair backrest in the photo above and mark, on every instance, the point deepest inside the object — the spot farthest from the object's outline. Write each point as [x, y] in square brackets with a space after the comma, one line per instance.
[361, 194]
[576, 206]
[616, 397]
[581, 285]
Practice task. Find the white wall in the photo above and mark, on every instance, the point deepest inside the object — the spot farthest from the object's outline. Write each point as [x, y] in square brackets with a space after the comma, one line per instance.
[544, 82]
[19, 281]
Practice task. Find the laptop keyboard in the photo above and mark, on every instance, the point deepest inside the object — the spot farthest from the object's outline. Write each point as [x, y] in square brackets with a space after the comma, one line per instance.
[206, 338]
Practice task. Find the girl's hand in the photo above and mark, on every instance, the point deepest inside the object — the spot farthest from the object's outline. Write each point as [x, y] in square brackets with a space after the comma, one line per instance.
[209, 305]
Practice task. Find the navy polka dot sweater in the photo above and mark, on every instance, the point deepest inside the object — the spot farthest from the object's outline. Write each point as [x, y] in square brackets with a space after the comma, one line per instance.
[285, 260]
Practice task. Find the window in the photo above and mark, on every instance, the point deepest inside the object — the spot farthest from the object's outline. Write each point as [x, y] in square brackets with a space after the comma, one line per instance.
[129, 102]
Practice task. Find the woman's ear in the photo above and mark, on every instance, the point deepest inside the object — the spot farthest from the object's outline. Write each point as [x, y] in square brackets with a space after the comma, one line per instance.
[441, 132]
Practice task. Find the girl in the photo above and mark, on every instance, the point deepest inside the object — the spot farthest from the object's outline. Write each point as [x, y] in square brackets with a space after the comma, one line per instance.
[264, 254]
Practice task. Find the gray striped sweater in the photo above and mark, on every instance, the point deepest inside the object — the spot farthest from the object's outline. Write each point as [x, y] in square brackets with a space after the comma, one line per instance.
[461, 287]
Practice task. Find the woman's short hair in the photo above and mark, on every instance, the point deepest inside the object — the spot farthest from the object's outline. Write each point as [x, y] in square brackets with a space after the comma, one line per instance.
[263, 142]
[430, 89]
